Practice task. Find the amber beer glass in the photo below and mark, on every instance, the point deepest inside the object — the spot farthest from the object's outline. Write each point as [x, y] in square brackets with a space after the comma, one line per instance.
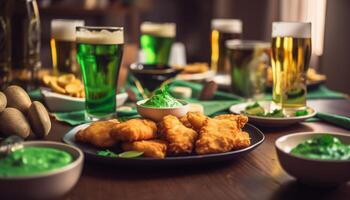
[63, 46]
[221, 31]
[291, 52]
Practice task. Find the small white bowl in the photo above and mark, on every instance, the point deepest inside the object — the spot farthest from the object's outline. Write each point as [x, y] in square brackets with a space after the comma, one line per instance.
[157, 114]
[313, 172]
[46, 185]
[64, 103]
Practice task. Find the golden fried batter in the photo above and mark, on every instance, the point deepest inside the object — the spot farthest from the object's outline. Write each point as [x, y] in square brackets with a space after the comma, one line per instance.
[241, 120]
[180, 138]
[242, 140]
[134, 130]
[220, 135]
[185, 121]
[97, 134]
[150, 148]
[194, 120]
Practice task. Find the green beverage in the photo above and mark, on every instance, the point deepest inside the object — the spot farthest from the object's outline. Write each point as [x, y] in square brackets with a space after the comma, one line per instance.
[156, 41]
[291, 52]
[248, 63]
[100, 51]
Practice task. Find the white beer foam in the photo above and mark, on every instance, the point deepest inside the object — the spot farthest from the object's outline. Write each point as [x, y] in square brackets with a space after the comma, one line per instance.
[100, 36]
[291, 29]
[64, 29]
[227, 25]
[159, 29]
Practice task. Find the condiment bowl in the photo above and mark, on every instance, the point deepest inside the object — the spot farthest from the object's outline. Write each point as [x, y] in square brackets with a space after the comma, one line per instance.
[152, 76]
[157, 114]
[312, 172]
[46, 185]
[56, 102]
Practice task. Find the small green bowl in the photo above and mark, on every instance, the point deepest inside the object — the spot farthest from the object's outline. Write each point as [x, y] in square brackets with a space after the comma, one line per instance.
[46, 185]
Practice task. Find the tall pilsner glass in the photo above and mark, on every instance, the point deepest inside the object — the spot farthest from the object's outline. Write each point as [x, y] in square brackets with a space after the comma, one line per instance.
[221, 31]
[100, 51]
[291, 52]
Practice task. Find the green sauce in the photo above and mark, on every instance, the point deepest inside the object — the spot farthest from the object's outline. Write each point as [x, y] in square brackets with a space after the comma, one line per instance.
[33, 160]
[324, 147]
[162, 99]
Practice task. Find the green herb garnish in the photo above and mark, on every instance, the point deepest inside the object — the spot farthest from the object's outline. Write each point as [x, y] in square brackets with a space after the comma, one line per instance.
[126, 154]
[324, 147]
[257, 110]
[130, 154]
[162, 99]
[254, 109]
[301, 112]
[275, 113]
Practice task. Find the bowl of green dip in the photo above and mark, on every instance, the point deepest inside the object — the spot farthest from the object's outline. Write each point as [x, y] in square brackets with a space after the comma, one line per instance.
[315, 159]
[40, 170]
[160, 104]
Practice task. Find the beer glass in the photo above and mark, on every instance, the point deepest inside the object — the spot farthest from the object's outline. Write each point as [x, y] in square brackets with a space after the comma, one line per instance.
[291, 52]
[221, 31]
[249, 61]
[156, 41]
[63, 46]
[100, 51]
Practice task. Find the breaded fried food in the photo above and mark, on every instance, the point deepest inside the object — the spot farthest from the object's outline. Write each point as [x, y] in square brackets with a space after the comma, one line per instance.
[242, 140]
[185, 121]
[134, 130]
[150, 148]
[241, 120]
[97, 134]
[194, 120]
[218, 136]
[180, 139]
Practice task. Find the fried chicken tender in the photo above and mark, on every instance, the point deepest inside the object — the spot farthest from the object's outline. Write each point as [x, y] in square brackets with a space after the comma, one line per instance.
[150, 148]
[243, 140]
[97, 134]
[134, 130]
[241, 120]
[194, 120]
[220, 135]
[180, 138]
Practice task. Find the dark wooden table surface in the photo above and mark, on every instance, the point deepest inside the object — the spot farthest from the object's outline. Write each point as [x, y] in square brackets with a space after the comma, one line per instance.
[257, 175]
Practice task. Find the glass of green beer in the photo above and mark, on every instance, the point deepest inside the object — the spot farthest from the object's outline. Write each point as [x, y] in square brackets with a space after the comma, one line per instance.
[156, 41]
[100, 51]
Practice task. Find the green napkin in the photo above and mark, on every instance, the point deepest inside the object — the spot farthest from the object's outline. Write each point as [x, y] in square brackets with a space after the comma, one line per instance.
[79, 117]
[322, 92]
[197, 88]
[35, 95]
[334, 119]
[220, 103]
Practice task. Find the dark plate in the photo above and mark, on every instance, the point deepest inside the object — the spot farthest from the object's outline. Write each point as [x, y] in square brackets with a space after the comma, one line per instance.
[257, 137]
[152, 76]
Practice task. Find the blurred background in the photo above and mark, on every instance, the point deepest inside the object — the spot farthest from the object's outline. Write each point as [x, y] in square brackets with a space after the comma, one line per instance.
[330, 31]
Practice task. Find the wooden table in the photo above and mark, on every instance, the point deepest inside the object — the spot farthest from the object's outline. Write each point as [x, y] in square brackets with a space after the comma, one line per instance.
[257, 175]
